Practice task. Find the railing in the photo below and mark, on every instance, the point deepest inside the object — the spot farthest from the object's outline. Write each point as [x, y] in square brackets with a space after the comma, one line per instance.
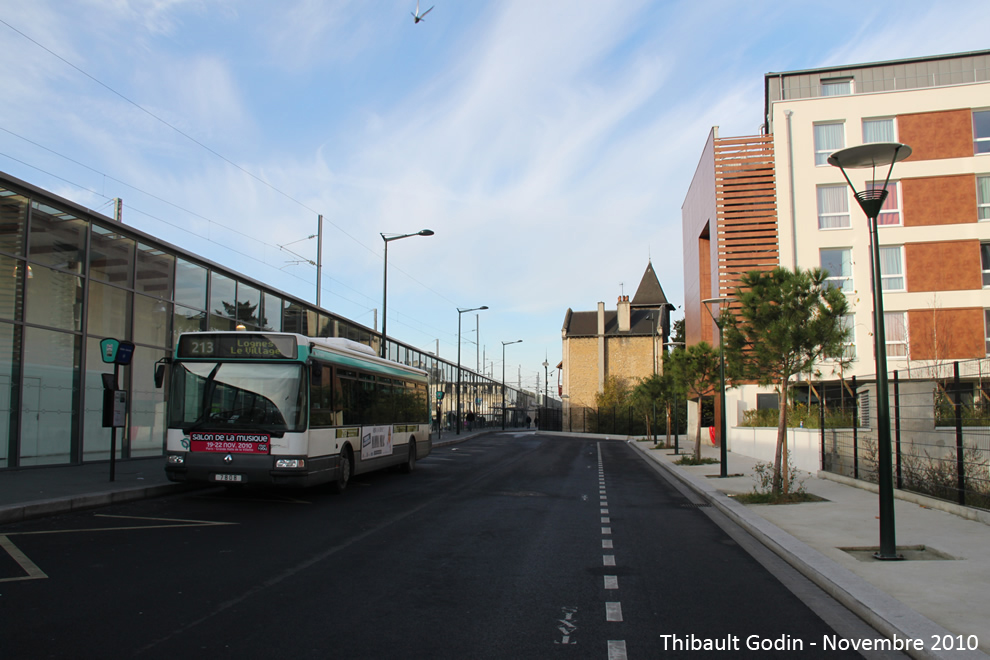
[940, 433]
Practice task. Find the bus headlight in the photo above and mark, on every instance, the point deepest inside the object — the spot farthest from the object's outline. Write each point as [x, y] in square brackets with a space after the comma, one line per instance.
[290, 463]
[176, 459]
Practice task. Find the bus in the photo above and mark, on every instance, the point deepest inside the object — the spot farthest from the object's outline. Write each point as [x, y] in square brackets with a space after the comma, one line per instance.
[283, 409]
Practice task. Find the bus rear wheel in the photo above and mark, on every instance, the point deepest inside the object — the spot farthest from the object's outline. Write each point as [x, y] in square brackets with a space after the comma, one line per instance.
[346, 468]
[410, 463]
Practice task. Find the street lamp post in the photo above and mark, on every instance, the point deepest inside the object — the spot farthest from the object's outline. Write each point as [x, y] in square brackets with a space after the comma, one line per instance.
[459, 313]
[546, 391]
[723, 448]
[884, 154]
[504, 344]
[389, 238]
[677, 427]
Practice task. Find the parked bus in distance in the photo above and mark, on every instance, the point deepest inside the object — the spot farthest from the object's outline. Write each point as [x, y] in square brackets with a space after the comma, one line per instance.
[287, 410]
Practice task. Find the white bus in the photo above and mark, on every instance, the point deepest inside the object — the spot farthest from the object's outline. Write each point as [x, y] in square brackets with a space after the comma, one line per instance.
[288, 410]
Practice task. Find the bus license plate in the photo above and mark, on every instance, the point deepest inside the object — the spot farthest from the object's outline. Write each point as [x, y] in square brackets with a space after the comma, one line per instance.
[228, 477]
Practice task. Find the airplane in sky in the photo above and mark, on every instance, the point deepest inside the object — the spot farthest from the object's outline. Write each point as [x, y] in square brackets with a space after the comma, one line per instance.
[417, 17]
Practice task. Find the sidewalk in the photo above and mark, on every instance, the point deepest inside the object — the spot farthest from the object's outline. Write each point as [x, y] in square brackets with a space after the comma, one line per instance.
[913, 599]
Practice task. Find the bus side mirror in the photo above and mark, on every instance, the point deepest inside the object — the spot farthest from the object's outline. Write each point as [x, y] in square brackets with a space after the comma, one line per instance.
[317, 371]
[160, 372]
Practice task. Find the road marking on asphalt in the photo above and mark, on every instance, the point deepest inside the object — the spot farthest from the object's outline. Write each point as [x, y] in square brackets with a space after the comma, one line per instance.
[616, 649]
[606, 530]
[604, 512]
[29, 567]
[608, 560]
[605, 521]
[606, 544]
[611, 582]
[613, 611]
[176, 522]
[567, 627]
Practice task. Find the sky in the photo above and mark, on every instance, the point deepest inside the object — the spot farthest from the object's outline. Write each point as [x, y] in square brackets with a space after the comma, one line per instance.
[549, 144]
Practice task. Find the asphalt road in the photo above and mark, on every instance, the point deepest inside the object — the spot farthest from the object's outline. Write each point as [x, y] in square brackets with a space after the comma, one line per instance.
[506, 546]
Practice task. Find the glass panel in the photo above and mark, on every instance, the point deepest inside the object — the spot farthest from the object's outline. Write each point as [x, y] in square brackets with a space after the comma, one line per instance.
[222, 296]
[49, 396]
[981, 132]
[838, 88]
[828, 138]
[151, 317]
[895, 329]
[838, 263]
[54, 298]
[109, 309]
[154, 272]
[986, 329]
[248, 305]
[111, 257]
[13, 217]
[833, 207]
[324, 327]
[96, 439]
[890, 213]
[11, 288]
[146, 428]
[222, 324]
[983, 197]
[294, 319]
[878, 130]
[187, 320]
[891, 269]
[57, 239]
[10, 357]
[272, 319]
[190, 284]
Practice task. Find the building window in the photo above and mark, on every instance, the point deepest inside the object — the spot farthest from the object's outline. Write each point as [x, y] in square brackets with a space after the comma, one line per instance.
[892, 268]
[896, 331]
[986, 328]
[983, 197]
[849, 347]
[828, 138]
[838, 263]
[890, 214]
[981, 132]
[833, 207]
[985, 261]
[878, 130]
[840, 87]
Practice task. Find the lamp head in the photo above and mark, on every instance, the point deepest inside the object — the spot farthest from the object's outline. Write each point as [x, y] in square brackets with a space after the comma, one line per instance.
[426, 232]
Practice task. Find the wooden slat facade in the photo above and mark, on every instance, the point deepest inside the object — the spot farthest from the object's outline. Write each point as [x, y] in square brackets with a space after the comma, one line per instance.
[746, 206]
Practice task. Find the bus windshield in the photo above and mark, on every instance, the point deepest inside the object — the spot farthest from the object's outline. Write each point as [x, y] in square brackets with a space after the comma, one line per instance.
[238, 395]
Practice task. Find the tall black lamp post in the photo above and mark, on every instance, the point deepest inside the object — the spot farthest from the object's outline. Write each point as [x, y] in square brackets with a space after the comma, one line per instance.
[546, 392]
[388, 238]
[722, 440]
[677, 427]
[504, 344]
[883, 154]
[459, 313]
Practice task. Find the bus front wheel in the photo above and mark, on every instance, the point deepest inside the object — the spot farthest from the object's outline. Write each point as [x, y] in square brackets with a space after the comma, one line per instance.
[346, 467]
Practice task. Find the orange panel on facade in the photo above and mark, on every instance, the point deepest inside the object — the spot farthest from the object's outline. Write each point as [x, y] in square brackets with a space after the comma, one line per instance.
[935, 135]
[940, 200]
[946, 334]
[943, 266]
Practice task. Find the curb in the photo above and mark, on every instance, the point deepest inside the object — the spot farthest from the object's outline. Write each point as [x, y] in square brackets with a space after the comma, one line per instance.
[884, 613]
[38, 509]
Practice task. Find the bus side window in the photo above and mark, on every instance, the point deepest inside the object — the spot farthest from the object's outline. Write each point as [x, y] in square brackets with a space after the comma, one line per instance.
[320, 397]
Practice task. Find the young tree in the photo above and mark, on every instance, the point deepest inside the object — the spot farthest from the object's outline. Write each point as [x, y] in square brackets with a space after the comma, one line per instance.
[786, 320]
[648, 395]
[615, 393]
[696, 372]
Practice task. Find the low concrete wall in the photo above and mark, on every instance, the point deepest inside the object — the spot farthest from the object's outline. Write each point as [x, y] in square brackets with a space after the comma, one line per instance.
[803, 445]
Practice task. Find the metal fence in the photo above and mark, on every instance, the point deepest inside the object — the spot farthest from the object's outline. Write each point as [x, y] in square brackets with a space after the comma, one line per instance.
[621, 420]
[940, 431]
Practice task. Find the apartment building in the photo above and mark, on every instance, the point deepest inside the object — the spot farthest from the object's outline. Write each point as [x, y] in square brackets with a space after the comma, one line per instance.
[934, 230]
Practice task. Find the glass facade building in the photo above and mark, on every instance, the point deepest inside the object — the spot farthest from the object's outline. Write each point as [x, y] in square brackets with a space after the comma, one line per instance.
[70, 277]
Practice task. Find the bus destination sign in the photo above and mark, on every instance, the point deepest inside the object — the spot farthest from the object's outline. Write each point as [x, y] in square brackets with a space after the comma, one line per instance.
[237, 346]
[235, 443]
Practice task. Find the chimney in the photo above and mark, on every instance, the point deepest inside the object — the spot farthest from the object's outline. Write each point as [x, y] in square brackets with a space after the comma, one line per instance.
[601, 319]
[623, 313]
